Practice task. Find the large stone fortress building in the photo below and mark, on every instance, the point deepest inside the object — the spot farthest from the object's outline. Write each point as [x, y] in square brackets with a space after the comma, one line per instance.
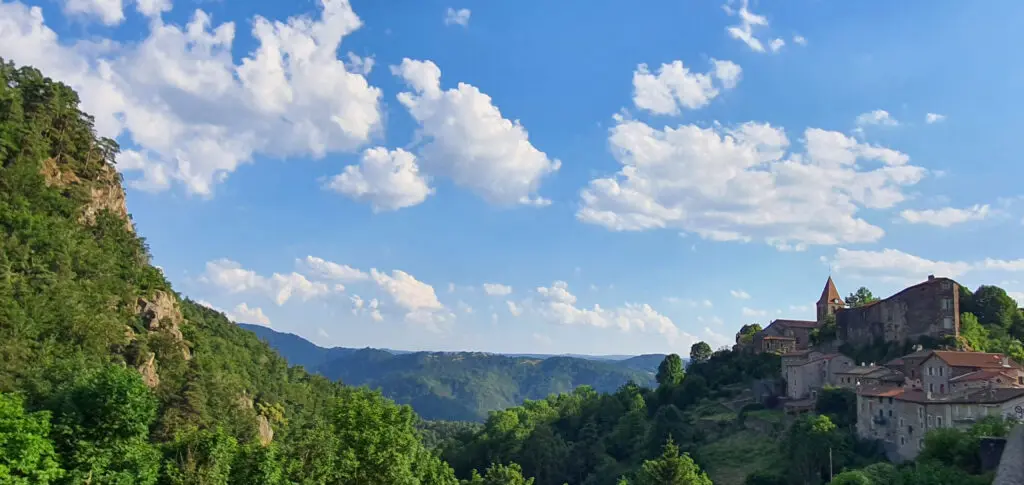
[927, 309]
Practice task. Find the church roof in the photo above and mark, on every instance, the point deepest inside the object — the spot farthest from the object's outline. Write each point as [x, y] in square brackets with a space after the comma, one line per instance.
[830, 293]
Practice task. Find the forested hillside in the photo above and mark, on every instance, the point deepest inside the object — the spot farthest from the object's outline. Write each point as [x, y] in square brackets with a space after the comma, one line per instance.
[109, 377]
[459, 386]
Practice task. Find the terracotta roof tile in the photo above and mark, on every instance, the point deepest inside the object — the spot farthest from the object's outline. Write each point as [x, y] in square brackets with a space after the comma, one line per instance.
[981, 396]
[881, 391]
[973, 359]
[830, 293]
[982, 375]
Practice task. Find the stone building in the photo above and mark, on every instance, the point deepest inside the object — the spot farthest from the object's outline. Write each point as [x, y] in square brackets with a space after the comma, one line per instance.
[942, 369]
[807, 372]
[928, 309]
[868, 375]
[901, 417]
[949, 389]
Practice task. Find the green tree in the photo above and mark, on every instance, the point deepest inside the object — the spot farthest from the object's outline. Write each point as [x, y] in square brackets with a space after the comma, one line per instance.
[700, 352]
[200, 457]
[256, 464]
[993, 307]
[973, 332]
[839, 404]
[498, 474]
[852, 477]
[671, 468]
[747, 332]
[880, 473]
[861, 297]
[670, 371]
[810, 441]
[103, 428]
[27, 455]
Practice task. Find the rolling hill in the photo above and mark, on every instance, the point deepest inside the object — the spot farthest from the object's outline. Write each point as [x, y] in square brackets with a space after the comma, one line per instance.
[459, 386]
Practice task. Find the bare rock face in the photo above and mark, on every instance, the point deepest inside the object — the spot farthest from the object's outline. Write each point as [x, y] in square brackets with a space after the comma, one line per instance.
[162, 313]
[105, 193]
[265, 431]
[148, 371]
[245, 402]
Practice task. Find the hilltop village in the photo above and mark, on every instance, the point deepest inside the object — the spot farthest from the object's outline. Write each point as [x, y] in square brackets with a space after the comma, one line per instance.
[900, 400]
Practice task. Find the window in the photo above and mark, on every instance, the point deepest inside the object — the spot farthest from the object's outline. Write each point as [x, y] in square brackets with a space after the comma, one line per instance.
[920, 444]
[947, 303]
[890, 413]
[942, 388]
[940, 371]
[931, 387]
[903, 440]
[880, 415]
[901, 422]
[931, 370]
[938, 421]
[879, 399]
[930, 420]
[947, 323]
[920, 413]
[890, 400]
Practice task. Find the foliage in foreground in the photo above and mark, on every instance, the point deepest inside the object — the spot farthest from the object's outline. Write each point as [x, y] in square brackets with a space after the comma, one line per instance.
[73, 407]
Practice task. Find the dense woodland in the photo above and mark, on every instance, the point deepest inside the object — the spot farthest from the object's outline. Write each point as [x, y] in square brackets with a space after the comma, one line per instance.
[95, 391]
[459, 386]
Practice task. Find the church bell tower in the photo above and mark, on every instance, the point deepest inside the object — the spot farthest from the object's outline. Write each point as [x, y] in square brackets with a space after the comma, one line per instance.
[829, 301]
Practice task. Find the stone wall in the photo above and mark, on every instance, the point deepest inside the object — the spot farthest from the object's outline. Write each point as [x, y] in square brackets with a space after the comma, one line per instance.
[915, 312]
[1011, 466]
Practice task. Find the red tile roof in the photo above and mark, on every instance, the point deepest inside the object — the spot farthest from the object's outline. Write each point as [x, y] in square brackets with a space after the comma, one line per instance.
[881, 391]
[981, 396]
[972, 359]
[982, 375]
[830, 293]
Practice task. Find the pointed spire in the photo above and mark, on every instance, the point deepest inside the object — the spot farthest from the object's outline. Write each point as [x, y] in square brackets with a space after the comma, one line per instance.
[830, 293]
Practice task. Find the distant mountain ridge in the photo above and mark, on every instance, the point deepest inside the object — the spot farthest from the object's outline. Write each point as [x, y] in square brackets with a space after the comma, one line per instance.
[460, 386]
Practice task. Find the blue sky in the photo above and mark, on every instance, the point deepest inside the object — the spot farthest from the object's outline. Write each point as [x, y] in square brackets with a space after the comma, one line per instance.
[586, 177]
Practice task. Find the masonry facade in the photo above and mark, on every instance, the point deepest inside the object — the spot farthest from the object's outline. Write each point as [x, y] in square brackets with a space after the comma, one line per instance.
[954, 389]
[928, 309]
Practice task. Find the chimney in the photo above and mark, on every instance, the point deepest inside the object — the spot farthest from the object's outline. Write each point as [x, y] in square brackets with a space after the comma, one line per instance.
[931, 277]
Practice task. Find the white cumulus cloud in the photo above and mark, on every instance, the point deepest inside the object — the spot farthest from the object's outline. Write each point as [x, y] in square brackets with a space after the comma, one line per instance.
[321, 268]
[744, 31]
[878, 117]
[895, 264]
[799, 40]
[513, 309]
[675, 87]
[738, 184]
[946, 216]
[187, 110]
[497, 289]
[465, 138]
[244, 314]
[230, 276]
[740, 294]
[457, 17]
[932, 118]
[558, 305]
[388, 180]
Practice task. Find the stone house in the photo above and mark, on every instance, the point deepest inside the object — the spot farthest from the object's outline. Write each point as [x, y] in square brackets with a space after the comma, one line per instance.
[784, 336]
[868, 375]
[928, 309]
[942, 367]
[807, 372]
[900, 417]
[910, 365]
